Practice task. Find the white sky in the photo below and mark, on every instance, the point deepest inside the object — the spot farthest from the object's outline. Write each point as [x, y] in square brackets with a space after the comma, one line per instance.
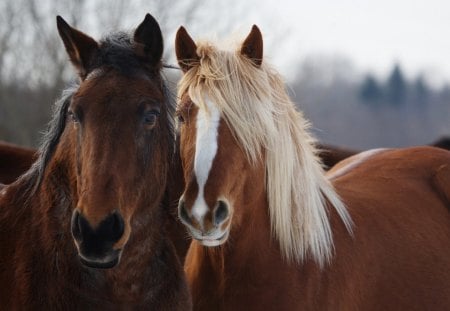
[373, 34]
[376, 33]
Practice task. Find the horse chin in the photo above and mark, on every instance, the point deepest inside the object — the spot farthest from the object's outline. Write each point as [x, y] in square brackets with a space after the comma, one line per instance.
[205, 241]
[211, 243]
[108, 262]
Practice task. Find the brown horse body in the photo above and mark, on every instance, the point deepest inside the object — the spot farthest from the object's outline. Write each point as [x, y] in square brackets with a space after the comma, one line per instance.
[84, 229]
[14, 161]
[387, 211]
[397, 259]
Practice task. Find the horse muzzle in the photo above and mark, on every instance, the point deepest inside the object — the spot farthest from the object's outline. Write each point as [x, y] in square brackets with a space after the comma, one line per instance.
[96, 244]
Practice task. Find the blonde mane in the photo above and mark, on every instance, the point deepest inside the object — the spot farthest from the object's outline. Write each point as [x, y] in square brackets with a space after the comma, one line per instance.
[256, 106]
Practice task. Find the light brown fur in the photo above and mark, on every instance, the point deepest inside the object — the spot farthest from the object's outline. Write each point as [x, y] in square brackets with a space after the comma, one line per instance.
[398, 257]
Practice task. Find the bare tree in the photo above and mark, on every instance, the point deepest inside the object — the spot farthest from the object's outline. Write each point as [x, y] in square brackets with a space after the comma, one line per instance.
[34, 67]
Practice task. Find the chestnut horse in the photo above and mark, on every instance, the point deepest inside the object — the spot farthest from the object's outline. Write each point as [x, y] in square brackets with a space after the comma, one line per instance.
[14, 161]
[272, 231]
[84, 229]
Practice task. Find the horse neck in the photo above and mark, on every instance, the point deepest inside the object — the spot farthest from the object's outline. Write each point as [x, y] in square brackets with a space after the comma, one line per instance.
[35, 240]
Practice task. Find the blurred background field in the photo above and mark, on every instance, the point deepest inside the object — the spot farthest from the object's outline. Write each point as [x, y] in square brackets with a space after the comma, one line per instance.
[367, 74]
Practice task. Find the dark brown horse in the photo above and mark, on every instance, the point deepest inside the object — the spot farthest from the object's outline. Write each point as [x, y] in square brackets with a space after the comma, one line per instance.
[14, 161]
[271, 230]
[84, 229]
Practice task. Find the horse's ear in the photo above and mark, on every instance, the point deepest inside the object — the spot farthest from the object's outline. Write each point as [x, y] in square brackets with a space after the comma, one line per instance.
[253, 46]
[185, 49]
[149, 41]
[80, 47]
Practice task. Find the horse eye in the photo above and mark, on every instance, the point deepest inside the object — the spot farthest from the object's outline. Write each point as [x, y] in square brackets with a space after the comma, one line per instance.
[150, 117]
[180, 118]
[72, 116]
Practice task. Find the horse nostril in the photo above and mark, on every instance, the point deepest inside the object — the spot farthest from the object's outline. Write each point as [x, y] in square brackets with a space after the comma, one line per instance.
[117, 226]
[221, 212]
[110, 229]
[183, 213]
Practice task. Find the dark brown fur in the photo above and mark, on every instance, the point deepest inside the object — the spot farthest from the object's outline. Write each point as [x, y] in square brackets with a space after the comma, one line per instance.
[104, 159]
[14, 161]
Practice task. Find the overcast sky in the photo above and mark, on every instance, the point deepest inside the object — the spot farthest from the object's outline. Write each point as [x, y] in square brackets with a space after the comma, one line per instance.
[376, 33]
[373, 34]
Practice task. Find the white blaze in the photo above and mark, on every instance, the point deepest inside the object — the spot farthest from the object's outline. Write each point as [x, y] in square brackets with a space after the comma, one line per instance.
[205, 151]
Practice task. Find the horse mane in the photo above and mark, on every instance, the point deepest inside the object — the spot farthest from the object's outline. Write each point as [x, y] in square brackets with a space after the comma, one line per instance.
[117, 51]
[256, 106]
[34, 176]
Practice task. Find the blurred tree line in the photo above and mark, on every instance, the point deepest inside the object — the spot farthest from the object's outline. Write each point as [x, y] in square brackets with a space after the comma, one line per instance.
[397, 90]
[33, 65]
[346, 108]
[34, 68]
[364, 111]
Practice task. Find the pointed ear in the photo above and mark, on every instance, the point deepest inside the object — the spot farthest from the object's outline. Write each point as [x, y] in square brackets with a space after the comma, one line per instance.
[185, 49]
[253, 46]
[80, 47]
[148, 41]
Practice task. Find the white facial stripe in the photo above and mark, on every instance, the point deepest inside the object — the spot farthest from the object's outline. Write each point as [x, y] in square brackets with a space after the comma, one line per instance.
[206, 148]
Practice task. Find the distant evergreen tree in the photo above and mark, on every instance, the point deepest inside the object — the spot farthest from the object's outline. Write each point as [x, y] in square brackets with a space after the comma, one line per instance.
[396, 87]
[421, 91]
[370, 90]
